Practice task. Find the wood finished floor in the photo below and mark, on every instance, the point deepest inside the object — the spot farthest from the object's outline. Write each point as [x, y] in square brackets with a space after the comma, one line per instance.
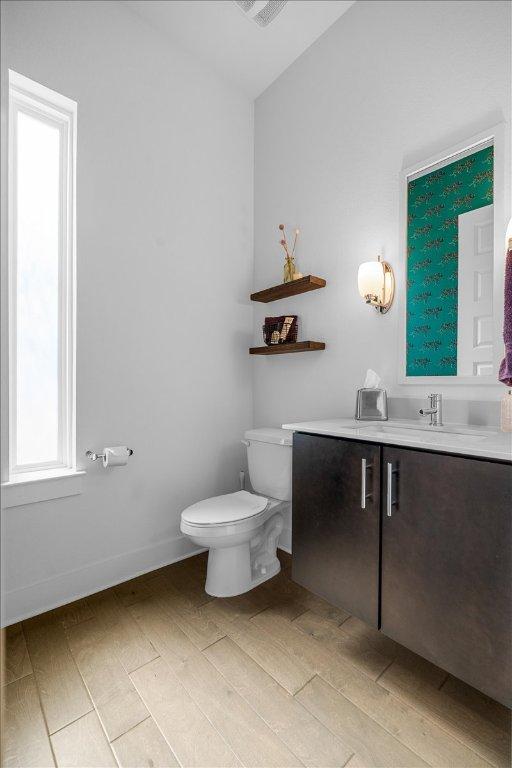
[156, 673]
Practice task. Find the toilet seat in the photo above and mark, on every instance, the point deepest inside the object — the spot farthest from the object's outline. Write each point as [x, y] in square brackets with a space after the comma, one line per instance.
[242, 513]
[225, 510]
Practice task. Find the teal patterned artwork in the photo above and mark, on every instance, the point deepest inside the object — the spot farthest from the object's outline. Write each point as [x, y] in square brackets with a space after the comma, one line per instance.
[434, 203]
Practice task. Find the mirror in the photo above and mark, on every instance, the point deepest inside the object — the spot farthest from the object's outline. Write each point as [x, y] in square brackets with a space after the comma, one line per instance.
[450, 319]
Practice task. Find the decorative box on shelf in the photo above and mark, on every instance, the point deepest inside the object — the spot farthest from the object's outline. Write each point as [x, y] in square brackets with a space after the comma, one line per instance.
[280, 330]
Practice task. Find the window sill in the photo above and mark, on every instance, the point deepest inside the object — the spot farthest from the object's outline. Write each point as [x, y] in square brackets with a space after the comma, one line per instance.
[41, 486]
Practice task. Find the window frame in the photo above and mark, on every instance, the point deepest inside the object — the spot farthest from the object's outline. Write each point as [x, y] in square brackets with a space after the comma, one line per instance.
[36, 100]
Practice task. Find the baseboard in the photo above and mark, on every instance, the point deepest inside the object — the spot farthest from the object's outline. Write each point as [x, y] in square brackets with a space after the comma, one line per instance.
[285, 540]
[31, 600]
[22, 603]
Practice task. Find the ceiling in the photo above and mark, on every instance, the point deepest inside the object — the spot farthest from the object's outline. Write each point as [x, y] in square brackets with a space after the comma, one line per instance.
[219, 33]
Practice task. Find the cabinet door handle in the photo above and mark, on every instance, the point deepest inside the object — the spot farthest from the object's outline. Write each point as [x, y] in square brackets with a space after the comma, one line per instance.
[389, 489]
[364, 467]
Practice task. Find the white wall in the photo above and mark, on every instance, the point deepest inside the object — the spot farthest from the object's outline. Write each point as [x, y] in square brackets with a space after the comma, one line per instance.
[388, 85]
[165, 159]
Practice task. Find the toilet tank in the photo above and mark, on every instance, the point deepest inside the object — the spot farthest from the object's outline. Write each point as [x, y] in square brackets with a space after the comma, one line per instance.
[269, 455]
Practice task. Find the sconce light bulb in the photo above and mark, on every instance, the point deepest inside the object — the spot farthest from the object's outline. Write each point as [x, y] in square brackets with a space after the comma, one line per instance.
[376, 284]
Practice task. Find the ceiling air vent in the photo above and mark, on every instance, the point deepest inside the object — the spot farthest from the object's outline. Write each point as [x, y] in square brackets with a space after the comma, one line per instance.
[261, 11]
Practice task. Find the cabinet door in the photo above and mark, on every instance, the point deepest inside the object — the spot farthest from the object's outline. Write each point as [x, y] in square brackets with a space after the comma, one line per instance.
[446, 564]
[335, 531]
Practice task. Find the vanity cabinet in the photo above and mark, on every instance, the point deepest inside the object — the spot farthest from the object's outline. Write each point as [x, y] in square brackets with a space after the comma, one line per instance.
[427, 560]
[446, 563]
[336, 522]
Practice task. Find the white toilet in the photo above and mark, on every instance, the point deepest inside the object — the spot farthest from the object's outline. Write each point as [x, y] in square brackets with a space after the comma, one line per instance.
[241, 529]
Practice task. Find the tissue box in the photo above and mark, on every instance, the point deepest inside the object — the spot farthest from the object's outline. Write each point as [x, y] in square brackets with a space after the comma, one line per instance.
[371, 404]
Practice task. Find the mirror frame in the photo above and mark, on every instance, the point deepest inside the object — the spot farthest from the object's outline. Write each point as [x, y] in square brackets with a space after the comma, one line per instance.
[496, 134]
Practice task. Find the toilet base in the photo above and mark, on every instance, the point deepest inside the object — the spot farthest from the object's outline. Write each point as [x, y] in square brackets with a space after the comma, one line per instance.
[229, 576]
[233, 570]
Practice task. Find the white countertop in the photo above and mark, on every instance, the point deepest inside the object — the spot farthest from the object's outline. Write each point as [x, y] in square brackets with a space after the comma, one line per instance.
[464, 439]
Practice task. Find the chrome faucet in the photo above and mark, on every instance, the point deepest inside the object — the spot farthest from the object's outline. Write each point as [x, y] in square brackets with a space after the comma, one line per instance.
[435, 411]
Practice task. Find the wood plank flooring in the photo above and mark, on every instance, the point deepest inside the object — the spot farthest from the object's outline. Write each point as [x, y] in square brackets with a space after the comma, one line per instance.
[156, 673]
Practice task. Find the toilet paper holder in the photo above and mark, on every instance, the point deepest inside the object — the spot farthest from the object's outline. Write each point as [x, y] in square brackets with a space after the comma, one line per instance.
[95, 456]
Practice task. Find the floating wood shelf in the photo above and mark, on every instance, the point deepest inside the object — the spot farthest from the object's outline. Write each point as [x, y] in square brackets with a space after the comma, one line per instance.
[283, 290]
[283, 349]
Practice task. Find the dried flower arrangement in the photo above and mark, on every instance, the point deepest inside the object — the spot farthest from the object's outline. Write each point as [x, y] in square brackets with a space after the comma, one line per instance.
[289, 263]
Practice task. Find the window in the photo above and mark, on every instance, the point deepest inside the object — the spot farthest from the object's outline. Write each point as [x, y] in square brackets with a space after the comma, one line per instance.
[42, 158]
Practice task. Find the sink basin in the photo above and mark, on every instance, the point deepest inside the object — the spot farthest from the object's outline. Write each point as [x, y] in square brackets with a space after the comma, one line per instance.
[463, 439]
[426, 433]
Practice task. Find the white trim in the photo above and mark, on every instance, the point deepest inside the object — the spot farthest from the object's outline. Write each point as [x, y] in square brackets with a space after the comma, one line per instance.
[31, 487]
[32, 98]
[64, 588]
[496, 136]
[24, 602]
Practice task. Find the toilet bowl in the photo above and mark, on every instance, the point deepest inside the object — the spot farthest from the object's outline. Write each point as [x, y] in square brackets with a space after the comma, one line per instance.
[241, 529]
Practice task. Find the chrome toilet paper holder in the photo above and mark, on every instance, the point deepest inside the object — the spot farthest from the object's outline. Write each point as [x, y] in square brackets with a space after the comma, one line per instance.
[95, 456]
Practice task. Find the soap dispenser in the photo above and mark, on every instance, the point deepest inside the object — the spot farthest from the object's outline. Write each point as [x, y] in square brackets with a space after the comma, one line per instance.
[506, 412]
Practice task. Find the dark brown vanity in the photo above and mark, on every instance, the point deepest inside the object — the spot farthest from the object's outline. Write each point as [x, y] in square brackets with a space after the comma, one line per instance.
[415, 543]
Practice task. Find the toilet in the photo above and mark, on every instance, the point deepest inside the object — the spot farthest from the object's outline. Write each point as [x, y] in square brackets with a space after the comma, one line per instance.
[241, 529]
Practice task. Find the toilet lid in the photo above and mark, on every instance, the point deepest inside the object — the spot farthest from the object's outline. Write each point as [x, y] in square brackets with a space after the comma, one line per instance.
[225, 509]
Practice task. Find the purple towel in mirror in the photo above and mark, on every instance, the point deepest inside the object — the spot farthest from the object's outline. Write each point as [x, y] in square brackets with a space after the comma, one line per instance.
[505, 375]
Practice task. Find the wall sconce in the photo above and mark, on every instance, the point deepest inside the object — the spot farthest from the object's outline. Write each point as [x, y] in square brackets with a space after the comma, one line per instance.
[376, 283]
